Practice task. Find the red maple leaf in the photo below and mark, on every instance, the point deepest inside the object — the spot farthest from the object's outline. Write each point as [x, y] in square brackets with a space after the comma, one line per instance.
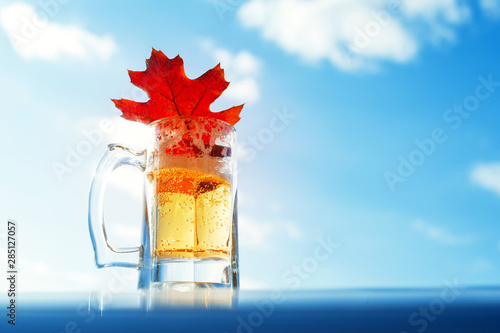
[172, 93]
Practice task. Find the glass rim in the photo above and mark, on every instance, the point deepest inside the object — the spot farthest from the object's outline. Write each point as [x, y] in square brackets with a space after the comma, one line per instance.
[158, 121]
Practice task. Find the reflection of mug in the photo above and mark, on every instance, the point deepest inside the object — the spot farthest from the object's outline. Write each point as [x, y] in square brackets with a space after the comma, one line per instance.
[106, 302]
[189, 234]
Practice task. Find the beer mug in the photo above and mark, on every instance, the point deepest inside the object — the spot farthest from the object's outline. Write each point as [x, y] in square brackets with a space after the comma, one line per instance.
[189, 238]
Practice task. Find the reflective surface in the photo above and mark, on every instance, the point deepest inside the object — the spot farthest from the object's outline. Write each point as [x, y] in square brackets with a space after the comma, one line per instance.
[449, 309]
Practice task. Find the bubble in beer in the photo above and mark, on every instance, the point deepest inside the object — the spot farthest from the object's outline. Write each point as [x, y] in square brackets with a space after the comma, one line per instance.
[187, 199]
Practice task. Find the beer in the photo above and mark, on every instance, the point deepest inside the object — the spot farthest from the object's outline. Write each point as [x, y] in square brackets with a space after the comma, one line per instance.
[194, 214]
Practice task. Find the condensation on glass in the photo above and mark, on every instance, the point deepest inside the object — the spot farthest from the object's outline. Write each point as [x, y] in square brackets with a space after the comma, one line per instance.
[189, 236]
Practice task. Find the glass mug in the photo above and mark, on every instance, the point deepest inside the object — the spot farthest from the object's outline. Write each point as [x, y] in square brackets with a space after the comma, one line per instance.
[189, 229]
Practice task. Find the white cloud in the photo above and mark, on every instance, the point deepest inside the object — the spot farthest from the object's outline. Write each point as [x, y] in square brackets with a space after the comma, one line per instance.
[353, 34]
[252, 284]
[245, 89]
[491, 7]
[440, 17]
[241, 70]
[292, 230]
[117, 130]
[439, 234]
[263, 234]
[128, 234]
[244, 153]
[129, 180]
[488, 176]
[128, 132]
[43, 276]
[33, 35]
[449, 11]
[254, 233]
[481, 266]
[120, 131]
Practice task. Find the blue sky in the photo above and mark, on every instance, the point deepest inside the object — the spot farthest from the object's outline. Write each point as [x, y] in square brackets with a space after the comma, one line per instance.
[358, 84]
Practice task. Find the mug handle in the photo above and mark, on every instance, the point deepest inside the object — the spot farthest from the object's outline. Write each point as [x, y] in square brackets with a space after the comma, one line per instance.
[107, 255]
